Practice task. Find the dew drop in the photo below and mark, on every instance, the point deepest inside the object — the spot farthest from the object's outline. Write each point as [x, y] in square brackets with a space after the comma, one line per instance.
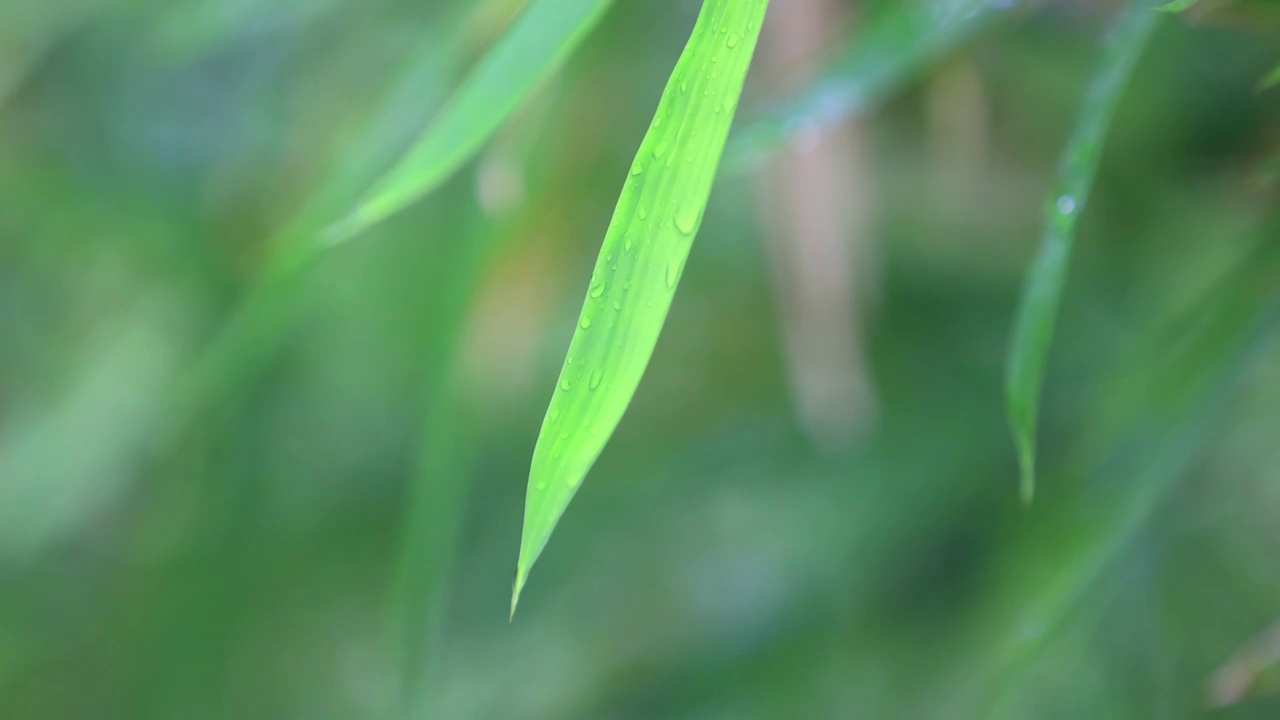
[732, 41]
[585, 323]
[673, 274]
[687, 220]
[597, 376]
[1066, 205]
[641, 212]
[637, 168]
[597, 289]
[617, 305]
[564, 384]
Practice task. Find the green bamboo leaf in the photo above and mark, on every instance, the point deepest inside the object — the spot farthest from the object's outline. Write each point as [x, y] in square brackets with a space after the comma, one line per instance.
[538, 43]
[1042, 294]
[643, 255]
[896, 44]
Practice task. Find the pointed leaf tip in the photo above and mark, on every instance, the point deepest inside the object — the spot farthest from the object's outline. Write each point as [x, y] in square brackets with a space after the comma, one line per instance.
[516, 586]
[1042, 293]
[1270, 80]
[658, 214]
[1028, 485]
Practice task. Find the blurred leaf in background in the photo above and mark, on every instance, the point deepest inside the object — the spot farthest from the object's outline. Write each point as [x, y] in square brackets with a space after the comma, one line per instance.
[232, 486]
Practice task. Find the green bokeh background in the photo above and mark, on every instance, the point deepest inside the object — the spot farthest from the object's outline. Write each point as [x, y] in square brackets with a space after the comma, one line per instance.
[203, 523]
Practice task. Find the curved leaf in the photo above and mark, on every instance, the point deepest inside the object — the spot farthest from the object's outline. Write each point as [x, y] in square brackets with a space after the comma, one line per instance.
[644, 252]
[538, 43]
[897, 43]
[1043, 291]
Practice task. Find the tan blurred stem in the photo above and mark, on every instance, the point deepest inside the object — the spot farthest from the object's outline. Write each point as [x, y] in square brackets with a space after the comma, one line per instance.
[1252, 671]
[956, 111]
[815, 198]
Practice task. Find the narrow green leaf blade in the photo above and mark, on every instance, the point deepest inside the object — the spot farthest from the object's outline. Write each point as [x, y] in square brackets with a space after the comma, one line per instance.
[1042, 293]
[536, 45]
[658, 214]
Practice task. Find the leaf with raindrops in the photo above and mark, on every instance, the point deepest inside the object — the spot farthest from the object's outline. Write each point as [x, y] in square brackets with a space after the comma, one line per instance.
[643, 255]
[1038, 309]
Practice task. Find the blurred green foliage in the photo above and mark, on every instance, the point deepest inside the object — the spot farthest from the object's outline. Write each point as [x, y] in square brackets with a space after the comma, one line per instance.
[236, 487]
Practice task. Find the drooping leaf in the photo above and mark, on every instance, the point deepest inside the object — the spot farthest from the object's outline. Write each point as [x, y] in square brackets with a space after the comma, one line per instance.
[252, 331]
[1126, 471]
[643, 255]
[1042, 293]
[538, 42]
[893, 46]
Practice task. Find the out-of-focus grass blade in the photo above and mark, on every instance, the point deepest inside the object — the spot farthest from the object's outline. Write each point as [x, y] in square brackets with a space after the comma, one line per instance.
[1183, 402]
[539, 41]
[1271, 79]
[890, 48]
[436, 496]
[261, 317]
[644, 252]
[1177, 6]
[1043, 291]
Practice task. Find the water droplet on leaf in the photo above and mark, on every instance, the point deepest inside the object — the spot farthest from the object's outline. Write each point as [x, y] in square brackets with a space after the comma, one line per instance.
[687, 220]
